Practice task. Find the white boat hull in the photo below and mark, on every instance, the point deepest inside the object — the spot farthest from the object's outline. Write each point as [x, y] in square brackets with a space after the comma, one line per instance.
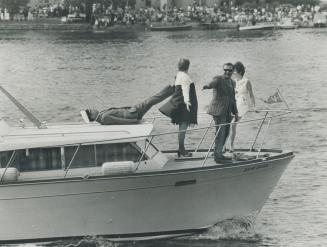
[145, 205]
[257, 27]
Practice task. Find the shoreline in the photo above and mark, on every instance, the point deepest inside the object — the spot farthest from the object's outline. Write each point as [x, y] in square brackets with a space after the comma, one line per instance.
[49, 24]
[56, 25]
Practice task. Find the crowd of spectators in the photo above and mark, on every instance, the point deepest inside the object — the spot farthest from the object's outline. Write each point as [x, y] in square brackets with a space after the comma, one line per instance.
[107, 15]
[215, 14]
[32, 14]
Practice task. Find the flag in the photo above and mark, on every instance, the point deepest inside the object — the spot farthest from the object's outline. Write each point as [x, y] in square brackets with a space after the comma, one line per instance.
[275, 98]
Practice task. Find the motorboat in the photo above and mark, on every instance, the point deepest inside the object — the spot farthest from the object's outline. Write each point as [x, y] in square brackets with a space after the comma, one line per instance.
[219, 25]
[261, 26]
[170, 27]
[286, 24]
[319, 20]
[209, 25]
[74, 180]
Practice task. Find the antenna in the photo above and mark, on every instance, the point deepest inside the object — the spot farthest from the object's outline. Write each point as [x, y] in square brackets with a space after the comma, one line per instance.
[22, 108]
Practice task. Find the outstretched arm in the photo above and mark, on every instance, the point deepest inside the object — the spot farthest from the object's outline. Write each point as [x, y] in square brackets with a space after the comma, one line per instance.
[213, 84]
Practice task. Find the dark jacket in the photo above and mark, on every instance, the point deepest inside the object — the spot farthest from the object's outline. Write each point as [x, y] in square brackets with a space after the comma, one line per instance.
[175, 108]
[223, 100]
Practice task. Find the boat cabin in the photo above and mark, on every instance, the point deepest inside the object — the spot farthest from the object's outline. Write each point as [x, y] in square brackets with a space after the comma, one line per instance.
[76, 150]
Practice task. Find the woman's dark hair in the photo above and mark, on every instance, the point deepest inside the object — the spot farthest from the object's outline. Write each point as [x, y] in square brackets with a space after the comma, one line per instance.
[239, 67]
[183, 64]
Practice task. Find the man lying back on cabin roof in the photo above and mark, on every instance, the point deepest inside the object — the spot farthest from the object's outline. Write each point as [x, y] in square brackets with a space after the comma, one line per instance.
[126, 115]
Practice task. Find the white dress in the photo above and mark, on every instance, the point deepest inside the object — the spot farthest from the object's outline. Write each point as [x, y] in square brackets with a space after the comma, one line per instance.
[242, 95]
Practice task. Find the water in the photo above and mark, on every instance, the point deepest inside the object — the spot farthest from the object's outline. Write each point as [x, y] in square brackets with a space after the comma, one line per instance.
[55, 74]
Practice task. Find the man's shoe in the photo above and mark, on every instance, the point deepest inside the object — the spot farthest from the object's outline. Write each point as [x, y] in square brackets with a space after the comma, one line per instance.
[183, 154]
[223, 159]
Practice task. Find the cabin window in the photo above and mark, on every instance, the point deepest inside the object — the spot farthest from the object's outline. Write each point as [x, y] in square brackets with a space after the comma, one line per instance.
[34, 159]
[118, 152]
[96, 155]
[38, 159]
[85, 156]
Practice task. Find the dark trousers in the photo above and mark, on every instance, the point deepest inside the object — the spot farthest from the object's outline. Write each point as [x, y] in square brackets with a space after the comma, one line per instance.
[145, 105]
[222, 134]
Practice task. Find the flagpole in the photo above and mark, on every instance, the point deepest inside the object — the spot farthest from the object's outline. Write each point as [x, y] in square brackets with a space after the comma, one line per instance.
[283, 99]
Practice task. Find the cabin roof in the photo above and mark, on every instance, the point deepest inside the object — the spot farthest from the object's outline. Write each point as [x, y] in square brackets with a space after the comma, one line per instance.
[14, 138]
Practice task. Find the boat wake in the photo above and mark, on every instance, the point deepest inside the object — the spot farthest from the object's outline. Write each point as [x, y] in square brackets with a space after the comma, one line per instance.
[85, 242]
[238, 229]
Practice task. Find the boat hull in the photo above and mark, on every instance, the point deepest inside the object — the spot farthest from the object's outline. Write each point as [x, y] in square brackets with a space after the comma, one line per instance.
[171, 28]
[319, 25]
[146, 205]
[257, 27]
[287, 27]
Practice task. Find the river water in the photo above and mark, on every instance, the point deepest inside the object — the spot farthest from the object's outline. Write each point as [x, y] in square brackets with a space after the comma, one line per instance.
[55, 74]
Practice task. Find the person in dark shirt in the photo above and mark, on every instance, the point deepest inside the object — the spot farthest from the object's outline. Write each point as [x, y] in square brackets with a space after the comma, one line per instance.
[222, 107]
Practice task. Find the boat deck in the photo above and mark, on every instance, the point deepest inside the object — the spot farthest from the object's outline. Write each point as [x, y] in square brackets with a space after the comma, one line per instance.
[197, 159]
[238, 157]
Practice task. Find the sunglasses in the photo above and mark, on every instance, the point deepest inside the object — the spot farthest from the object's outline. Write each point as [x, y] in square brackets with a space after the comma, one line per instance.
[228, 70]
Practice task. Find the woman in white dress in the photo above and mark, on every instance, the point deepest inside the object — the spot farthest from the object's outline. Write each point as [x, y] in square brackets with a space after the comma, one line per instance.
[244, 97]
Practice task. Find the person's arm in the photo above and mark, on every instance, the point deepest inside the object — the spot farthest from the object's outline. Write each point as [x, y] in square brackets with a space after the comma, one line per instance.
[206, 87]
[212, 84]
[249, 88]
[234, 106]
[186, 93]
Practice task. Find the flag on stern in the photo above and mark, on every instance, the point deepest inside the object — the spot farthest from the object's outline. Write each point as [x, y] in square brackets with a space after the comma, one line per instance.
[275, 98]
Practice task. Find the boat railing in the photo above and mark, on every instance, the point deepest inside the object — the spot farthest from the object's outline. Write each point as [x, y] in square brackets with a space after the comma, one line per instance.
[149, 138]
[266, 118]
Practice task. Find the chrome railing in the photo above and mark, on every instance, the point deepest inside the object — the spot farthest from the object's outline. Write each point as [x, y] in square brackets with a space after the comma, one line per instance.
[151, 137]
[269, 115]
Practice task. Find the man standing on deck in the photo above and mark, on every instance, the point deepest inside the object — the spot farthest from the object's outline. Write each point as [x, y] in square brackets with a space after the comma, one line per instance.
[222, 106]
[126, 115]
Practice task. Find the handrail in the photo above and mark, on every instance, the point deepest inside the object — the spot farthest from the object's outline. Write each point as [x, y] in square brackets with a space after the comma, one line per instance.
[72, 159]
[8, 164]
[193, 129]
[219, 127]
[264, 137]
[205, 133]
[143, 153]
[213, 141]
[256, 137]
[284, 112]
[152, 136]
